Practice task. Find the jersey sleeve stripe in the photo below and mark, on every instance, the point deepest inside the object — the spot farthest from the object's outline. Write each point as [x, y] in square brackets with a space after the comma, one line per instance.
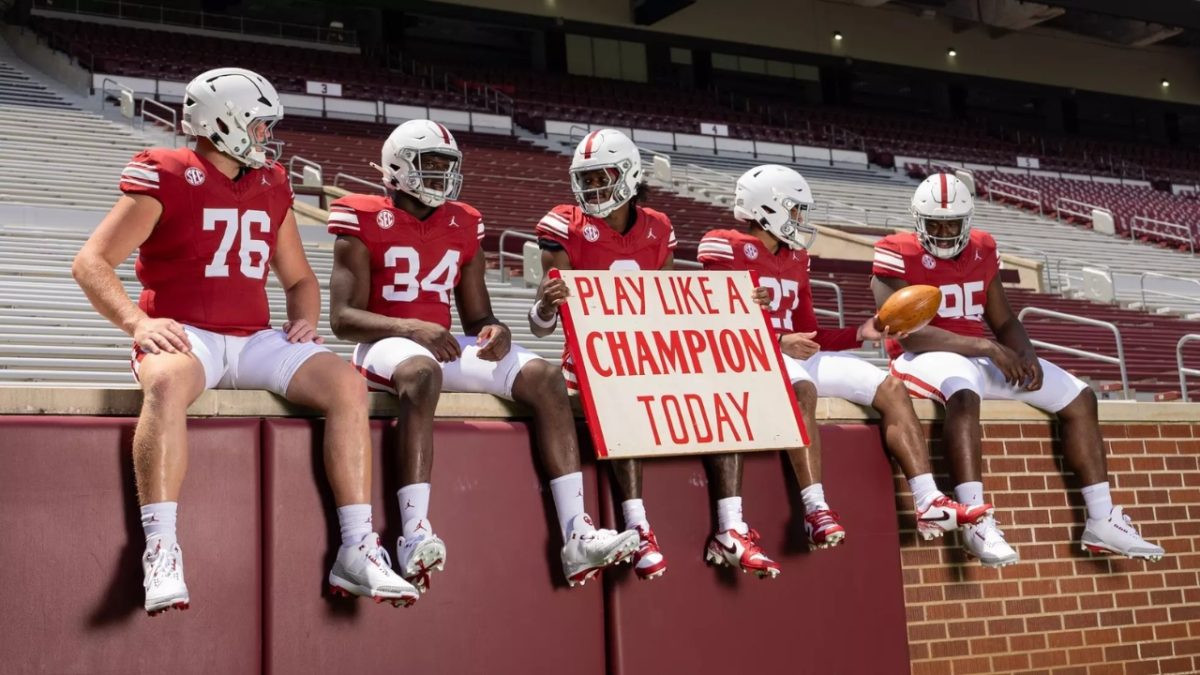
[143, 165]
[716, 243]
[881, 268]
[552, 214]
[552, 227]
[140, 183]
[343, 218]
[335, 228]
[133, 172]
[889, 260]
[889, 266]
[341, 209]
[884, 253]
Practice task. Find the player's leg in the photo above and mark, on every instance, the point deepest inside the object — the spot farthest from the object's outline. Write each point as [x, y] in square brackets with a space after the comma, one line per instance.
[820, 522]
[170, 383]
[959, 383]
[734, 543]
[312, 376]
[1108, 529]
[540, 385]
[851, 378]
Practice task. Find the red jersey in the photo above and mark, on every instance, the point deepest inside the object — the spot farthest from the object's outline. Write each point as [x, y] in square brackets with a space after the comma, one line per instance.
[592, 245]
[963, 281]
[785, 272]
[205, 263]
[414, 263]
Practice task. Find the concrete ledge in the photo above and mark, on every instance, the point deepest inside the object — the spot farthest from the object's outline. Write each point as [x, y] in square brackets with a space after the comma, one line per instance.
[127, 402]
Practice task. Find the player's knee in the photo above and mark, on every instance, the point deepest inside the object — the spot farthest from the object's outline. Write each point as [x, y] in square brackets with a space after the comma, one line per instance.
[806, 395]
[891, 391]
[1084, 407]
[348, 388]
[418, 377]
[164, 386]
[540, 380]
[963, 401]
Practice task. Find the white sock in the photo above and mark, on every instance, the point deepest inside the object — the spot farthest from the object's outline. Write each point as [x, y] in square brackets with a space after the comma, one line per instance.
[355, 521]
[814, 498]
[1098, 500]
[568, 498]
[635, 513]
[924, 490]
[729, 515]
[158, 520]
[969, 493]
[414, 502]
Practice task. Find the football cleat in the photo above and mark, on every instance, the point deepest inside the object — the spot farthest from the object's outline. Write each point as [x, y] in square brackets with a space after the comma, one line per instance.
[985, 541]
[1116, 534]
[420, 552]
[588, 550]
[823, 529]
[366, 570]
[740, 550]
[162, 568]
[944, 515]
[648, 562]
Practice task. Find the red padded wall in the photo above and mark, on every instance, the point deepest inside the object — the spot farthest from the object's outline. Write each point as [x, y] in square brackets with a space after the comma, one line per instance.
[501, 606]
[70, 571]
[833, 611]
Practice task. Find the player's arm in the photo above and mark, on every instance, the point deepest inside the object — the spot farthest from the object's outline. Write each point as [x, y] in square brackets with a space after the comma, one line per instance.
[551, 293]
[349, 294]
[930, 338]
[669, 263]
[475, 310]
[126, 227]
[300, 285]
[1025, 369]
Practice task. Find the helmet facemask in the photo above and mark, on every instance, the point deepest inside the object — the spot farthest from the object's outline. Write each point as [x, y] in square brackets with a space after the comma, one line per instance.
[789, 224]
[432, 177]
[600, 200]
[944, 247]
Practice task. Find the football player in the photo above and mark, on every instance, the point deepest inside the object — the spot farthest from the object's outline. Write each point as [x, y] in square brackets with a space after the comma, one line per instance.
[770, 202]
[953, 362]
[608, 230]
[207, 223]
[397, 261]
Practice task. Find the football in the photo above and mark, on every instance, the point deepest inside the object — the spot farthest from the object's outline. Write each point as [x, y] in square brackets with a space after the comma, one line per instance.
[909, 309]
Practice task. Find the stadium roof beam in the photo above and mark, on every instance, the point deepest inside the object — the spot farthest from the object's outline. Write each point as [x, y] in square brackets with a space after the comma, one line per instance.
[650, 12]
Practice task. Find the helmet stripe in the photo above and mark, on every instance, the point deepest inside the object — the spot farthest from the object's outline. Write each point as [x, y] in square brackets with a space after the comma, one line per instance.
[587, 146]
[945, 191]
[442, 129]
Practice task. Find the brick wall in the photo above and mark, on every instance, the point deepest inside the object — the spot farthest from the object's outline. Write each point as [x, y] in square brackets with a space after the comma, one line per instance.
[1061, 610]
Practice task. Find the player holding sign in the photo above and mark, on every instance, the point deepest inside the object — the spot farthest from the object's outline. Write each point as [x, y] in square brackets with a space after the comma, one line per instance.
[952, 362]
[396, 262]
[607, 230]
[771, 201]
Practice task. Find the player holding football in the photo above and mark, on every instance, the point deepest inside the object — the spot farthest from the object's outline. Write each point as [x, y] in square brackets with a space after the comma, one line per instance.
[607, 230]
[396, 262]
[771, 201]
[952, 362]
[207, 223]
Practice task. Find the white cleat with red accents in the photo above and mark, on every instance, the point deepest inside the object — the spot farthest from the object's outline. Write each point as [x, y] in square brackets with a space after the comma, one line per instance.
[588, 550]
[945, 515]
[649, 561]
[366, 570]
[985, 541]
[420, 552]
[823, 529]
[1116, 534]
[740, 551]
[162, 567]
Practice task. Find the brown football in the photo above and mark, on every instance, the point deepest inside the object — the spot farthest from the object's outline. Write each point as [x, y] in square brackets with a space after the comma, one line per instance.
[909, 309]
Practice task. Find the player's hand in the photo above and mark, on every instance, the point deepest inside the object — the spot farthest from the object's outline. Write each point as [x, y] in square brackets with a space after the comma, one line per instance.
[301, 330]
[554, 294]
[155, 336]
[868, 331]
[1009, 363]
[799, 346]
[437, 340]
[762, 296]
[1031, 368]
[494, 342]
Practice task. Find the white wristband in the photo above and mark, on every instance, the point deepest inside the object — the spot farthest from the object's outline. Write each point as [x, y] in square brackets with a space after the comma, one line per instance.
[538, 320]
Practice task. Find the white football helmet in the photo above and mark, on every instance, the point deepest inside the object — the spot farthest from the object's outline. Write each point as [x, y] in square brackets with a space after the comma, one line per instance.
[767, 195]
[235, 109]
[943, 196]
[611, 151]
[401, 162]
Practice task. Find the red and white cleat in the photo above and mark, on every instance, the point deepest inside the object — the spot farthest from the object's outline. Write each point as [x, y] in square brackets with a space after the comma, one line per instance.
[420, 552]
[740, 550]
[162, 569]
[823, 529]
[648, 562]
[365, 570]
[945, 515]
[587, 550]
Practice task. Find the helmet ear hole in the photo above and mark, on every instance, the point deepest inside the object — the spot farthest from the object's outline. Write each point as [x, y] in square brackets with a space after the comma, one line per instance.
[221, 126]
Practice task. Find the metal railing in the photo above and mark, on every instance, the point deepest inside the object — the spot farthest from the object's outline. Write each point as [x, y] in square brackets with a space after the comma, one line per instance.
[117, 87]
[502, 254]
[354, 179]
[165, 15]
[294, 175]
[168, 117]
[1142, 290]
[1018, 193]
[1184, 236]
[1184, 372]
[840, 314]
[1118, 360]
[1076, 208]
